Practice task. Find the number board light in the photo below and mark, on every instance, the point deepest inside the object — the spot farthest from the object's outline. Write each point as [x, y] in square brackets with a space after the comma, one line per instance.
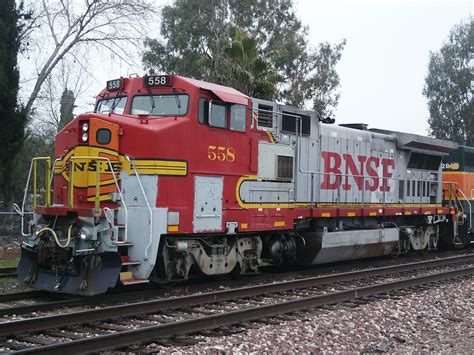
[114, 85]
[151, 81]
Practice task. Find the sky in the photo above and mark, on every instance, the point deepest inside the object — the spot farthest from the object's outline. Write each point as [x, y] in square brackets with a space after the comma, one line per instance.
[383, 66]
[385, 61]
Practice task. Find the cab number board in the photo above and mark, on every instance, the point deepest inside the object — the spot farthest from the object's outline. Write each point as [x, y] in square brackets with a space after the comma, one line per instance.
[114, 85]
[152, 81]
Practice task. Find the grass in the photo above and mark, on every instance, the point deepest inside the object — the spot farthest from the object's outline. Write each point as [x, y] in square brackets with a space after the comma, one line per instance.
[9, 262]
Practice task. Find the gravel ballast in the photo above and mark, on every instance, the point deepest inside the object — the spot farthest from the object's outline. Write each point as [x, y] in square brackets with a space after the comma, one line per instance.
[432, 320]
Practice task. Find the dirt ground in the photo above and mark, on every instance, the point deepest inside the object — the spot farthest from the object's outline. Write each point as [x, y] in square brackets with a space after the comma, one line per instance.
[9, 247]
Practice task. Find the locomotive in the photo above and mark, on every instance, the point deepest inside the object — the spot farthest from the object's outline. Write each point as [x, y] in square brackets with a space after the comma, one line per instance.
[171, 177]
[458, 168]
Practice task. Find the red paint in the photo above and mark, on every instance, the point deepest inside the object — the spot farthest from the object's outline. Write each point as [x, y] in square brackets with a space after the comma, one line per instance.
[357, 174]
[387, 173]
[332, 170]
[372, 165]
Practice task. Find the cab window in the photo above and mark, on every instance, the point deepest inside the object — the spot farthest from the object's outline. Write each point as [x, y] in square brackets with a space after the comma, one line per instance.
[113, 105]
[203, 111]
[237, 118]
[221, 114]
[218, 115]
[160, 105]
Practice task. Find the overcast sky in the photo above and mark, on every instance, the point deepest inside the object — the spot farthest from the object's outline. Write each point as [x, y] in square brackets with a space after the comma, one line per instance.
[385, 61]
[383, 65]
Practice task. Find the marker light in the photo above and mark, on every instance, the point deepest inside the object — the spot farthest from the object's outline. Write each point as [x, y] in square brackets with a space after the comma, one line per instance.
[85, 127]
[84, 234]
[85, 137]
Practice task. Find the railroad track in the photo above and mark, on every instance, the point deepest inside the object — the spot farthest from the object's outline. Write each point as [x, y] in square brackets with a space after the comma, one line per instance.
[37, 302]
[7, 272]
[123, 325]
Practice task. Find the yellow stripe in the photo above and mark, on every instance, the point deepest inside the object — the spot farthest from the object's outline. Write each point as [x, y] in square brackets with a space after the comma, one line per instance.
[156, 167]
[270, 135]
[325, 214]
[105, 197]
[126, 275]
[279, 224]
[428, 212]
[407, 213]
[244, 225]
[447, 173]
[351, 214]
[372, 213]
[173, 228]
[440, 211]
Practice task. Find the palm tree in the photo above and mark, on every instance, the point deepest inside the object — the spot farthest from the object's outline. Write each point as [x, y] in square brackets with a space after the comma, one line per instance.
[248, 71]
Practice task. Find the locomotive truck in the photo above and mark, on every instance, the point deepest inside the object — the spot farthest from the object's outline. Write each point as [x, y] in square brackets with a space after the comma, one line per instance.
[171, 177]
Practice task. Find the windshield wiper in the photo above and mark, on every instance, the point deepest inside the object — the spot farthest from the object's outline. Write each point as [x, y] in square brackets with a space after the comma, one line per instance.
[178, 103]
[115, 102]
[152, 102]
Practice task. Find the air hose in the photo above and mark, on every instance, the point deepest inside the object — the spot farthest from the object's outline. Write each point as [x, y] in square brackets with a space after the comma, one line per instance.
[55, 236]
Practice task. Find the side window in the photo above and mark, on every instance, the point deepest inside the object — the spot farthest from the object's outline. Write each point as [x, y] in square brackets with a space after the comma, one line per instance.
[238, 117]
[203, 111]
[218, 116]
[289, 123]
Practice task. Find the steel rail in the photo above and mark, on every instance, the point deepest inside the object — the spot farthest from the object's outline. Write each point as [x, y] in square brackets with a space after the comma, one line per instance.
[8, 297]
[76, 301]
[7, 272]
[146, 307]
[147, 334]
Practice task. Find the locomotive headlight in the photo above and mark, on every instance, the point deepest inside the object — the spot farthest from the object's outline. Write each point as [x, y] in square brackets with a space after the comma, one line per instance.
[85, 127]
[84, 234]
[85, 137]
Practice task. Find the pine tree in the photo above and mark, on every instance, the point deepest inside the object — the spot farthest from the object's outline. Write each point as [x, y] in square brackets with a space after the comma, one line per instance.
[12, 117]
[67, 108]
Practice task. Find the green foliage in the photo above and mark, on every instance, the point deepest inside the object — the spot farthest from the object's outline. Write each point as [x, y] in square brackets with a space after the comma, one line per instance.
[246, 70]
[448, 86]
[312, 77]
[13, 118]
[262, 42]
[38, 143]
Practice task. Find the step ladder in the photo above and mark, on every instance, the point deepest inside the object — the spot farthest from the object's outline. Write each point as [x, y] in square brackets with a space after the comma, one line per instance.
[128, 266]
[455, 202]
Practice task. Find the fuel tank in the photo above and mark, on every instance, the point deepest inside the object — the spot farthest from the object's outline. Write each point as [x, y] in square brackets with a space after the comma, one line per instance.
[327, 247]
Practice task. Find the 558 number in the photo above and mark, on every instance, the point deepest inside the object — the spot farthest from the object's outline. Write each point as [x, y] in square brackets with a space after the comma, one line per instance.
[221, 153]
[157, 80]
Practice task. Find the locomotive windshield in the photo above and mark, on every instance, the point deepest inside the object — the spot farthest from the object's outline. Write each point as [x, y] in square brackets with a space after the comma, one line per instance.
[160, 105]
[116, 105]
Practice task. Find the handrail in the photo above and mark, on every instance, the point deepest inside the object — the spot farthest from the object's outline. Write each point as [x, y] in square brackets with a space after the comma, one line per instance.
[470, 208]
[97, 190]
[47, 180]
[24, 201]
[150, 238]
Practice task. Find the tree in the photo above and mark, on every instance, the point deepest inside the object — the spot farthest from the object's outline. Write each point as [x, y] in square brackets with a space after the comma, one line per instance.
[12, 117]
[75, 32]
[67, 106]
[248, 71]
[196, 33]
[448, 86]
[57, 100]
